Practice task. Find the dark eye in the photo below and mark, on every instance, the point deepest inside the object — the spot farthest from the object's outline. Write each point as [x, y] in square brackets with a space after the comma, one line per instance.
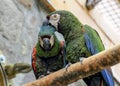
[55, 16]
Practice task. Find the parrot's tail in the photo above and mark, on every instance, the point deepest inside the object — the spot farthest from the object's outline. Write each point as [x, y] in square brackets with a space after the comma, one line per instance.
[108, 77]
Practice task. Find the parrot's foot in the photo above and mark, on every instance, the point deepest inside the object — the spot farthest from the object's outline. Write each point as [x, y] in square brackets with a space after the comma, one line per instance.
[81, 59]
[68, 65]
[41, 76]
[48, 72]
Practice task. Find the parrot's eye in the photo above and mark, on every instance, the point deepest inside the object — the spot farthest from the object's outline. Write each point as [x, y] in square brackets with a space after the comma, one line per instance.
[55, 16]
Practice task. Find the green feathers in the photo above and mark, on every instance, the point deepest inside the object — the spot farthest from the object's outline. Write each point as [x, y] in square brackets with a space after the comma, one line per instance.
[94, 38]
[81, 41]
[47, 54]
[68, 29]
[74, 33]
[48, 31]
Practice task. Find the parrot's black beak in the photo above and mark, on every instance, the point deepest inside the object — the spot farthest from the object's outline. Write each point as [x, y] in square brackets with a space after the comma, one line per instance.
[46, 44]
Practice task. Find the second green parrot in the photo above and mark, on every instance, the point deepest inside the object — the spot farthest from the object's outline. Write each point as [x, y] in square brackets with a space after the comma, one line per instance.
[81, 41]
[49, 53]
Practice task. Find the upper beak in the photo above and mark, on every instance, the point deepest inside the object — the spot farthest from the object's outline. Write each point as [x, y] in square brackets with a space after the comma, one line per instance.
[46, 44]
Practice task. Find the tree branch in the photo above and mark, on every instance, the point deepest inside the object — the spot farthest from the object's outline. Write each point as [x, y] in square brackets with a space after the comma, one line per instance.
[77, 71]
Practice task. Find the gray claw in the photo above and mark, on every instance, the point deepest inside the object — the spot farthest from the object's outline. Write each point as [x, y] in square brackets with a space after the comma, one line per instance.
[48, 72]
[81, 59]
[41, 76]
[68, 65]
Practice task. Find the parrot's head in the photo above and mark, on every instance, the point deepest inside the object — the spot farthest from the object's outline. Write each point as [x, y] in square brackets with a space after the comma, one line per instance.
[46, 42]
[54, 20]
[62, 19]
[46, 37]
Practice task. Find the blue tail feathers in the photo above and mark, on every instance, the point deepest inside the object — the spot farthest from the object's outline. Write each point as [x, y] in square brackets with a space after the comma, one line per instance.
[107, 77]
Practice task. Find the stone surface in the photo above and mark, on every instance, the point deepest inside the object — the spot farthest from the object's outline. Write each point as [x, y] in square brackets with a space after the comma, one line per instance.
[19, 27]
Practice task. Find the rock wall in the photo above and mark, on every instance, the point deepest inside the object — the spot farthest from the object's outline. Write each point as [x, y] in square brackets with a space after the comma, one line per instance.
[19, 25]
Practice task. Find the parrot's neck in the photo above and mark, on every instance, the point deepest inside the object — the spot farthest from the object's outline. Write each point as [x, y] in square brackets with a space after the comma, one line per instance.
[46, 54]
[72, 31]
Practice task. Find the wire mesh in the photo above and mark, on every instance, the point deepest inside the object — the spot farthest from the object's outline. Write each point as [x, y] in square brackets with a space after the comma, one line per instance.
[111, 10]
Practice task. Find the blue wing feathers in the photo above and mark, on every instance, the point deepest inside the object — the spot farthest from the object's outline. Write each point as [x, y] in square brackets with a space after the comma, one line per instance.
[90, 45]
[107, 77]
[93, 46]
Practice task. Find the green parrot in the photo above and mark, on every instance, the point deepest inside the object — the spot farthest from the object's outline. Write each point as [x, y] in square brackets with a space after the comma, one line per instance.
[82, 41]
[49, 53]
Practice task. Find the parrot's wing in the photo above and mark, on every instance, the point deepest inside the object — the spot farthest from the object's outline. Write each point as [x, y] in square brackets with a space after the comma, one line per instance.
[59, 36]
[92, 40]
[61, 40]
[95, 45]
[33, 61]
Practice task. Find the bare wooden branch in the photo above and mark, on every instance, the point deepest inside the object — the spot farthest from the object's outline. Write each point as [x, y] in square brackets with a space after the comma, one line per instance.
[77, 71]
